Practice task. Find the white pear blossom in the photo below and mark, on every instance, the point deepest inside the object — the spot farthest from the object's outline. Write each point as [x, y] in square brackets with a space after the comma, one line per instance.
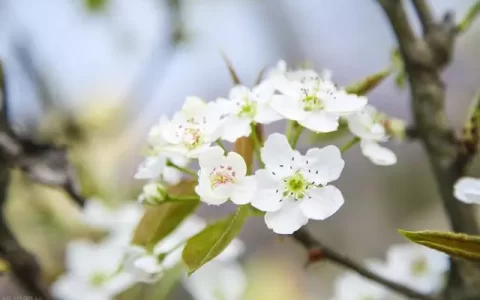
[293, 188]
[148, 266]
[152, 193]
[368, 125]
[417, 267]
[221, 278]
[245, 106]
[92, 272]
[155, 165]
[314, 102]
[351, 286]
[193, 129]
[467, 189]
[119, 220]
[224, 177]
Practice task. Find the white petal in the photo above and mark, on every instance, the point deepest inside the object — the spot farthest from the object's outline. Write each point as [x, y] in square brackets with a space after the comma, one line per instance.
[263, 92]
[217, 197]
[277, 151]
[288, 107]
[244, 191]
[211, 158]
[268, 193]
[151, 167]
[323, 203]
[193, 105]
[195, 152]
[467, 189]
[235, 127]
[266, 114]
[323, 165]
[217, 280]
[172, 176]
[345, 104]
[238, 92]
[237, 163]
[288, 219]
[377, 154]
[320, 121]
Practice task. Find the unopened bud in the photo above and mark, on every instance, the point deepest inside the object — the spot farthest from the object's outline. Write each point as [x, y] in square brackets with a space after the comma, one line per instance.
[153, 193]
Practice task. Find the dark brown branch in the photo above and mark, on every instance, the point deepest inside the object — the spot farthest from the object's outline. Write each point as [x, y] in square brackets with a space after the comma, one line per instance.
[424, 13]
[22, 264]
[303, 237]
[423, 59]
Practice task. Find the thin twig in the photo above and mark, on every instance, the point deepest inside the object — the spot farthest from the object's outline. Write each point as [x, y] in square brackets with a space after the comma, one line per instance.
[303, 237]
[424, 13]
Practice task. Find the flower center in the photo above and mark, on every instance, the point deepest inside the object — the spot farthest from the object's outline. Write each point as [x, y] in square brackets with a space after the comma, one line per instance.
[419, 267]
[192, 137]
[98, 278]
[248, 109]
[310, 100]
[296, 186]
[222, 175]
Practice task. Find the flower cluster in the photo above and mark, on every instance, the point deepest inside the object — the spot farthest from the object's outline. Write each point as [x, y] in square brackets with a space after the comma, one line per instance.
[103, 270]
[289, 188]
[413, 266]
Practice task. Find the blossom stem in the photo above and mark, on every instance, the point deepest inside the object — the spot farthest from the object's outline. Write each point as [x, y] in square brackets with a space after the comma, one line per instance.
[182, 169]
[257, 144]
[221, 145]
[350, 144]
[296, 135]
[321, 251]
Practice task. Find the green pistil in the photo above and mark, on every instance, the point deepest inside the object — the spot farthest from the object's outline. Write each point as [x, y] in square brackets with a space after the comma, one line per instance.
[98, 278]
[419, 267]
[312, 102]
[295, 186]
[249, 109]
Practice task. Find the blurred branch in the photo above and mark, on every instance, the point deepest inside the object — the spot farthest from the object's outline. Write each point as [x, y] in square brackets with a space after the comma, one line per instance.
[424, 13]
[22, 264]
[318, 252]
[424, 57]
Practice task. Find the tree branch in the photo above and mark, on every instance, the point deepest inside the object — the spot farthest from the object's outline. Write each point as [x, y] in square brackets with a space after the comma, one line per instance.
[22, 264]
[424, 59]
[303, 237]
[424, 13]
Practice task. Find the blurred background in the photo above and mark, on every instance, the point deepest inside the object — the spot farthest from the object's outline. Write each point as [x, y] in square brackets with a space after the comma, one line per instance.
[114, 66]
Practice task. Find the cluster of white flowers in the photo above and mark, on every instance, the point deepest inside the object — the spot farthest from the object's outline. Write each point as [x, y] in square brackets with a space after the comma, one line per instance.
[417, 267]
[291, 188]
[100, 271]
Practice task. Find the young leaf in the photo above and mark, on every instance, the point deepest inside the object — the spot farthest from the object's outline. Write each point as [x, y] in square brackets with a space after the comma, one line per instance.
[458, 245]
[160, 220]
[231, 70]
[211, 241]
[368, 83]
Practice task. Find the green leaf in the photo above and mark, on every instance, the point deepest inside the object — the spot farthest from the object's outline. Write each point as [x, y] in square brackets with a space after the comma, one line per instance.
[231, 70]
[211, 241]
[369, 83]
[458, 245]
[159, 221]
